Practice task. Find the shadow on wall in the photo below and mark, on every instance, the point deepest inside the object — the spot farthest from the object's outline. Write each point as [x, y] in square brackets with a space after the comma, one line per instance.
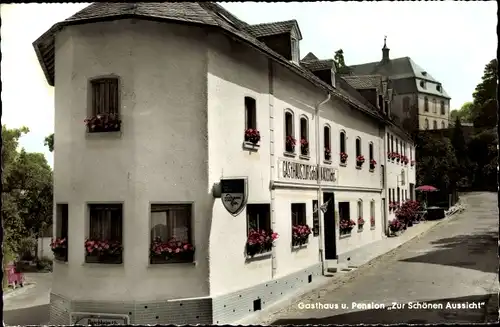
[404, 315]
[464, 251]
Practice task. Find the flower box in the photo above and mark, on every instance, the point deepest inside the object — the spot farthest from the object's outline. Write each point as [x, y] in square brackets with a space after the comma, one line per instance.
[328, 154]
[373, 163]
[346, 226]
[59, 247]
[290, 144]
[361, 223]
[103, 251]
[300, 234]
[395, 226]
[360, 160]
[252, 135]
[259, 241]
[104, 258]
[103, 123]
[171, 251]
[304, 147]
[343, 157]
[183, 257]
[372, 222]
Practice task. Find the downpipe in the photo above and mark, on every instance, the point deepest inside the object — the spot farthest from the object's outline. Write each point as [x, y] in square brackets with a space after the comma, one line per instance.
[318, 179]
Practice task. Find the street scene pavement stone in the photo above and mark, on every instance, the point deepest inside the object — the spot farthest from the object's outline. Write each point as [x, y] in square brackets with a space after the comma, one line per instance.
[455, 264]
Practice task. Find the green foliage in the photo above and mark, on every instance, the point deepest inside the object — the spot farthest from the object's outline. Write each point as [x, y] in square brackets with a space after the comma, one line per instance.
[26, 194]
[464, 114]
[437, 164]
[484, 111]
[49, 142]
[340, 65]
[44, 264]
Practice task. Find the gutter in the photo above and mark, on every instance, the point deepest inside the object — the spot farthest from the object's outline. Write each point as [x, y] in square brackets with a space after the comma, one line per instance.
[320, 190]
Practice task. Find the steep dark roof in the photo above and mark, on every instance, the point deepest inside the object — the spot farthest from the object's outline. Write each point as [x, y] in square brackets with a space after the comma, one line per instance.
[266, 29]
[401, 68]
[315, 65]
[199, 13]
[310, 56]
[364, 82]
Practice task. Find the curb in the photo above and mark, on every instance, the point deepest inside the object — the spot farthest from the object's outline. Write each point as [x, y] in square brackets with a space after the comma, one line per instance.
[260, 317]
[18, 291]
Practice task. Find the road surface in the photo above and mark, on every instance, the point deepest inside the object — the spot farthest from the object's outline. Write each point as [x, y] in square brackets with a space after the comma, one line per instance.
[453, 264]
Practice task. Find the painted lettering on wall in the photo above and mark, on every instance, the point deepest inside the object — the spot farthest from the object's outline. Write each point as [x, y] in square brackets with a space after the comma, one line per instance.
[300, 171]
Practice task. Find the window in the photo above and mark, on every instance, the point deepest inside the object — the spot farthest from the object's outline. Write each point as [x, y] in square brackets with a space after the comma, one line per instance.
[434, 106]
[104, 96]
[406, 103]
[443, 111]
[360, 214]
[105, 225]
[438, 88]
[392, 143]
[422, 84]
[426, 104]
[259, 217]
[388, 143]
[289, 132]
[304, 139]
[397, 146]
[398, 195]
[358, 147]
[372, 214]
[298, 219]
[344, 215]
[370, 150]
[386, 107]
[434, 124]
[393, 195]
[403, 179]
[426, 123]
[342, 141]
[250, 113]
[298, 214]
[411, 154]
[381, 103]
[390, 196]
[171, 225]
[327, 141]
[382, 175]
[61, 251]
[443, 125]
[406, 195]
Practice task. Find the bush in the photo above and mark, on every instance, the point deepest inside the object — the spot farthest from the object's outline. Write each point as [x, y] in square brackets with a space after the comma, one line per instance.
[44, 264]
[27, 248]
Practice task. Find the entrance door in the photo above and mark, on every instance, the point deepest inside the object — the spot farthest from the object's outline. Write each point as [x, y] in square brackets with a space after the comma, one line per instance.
[329, 227]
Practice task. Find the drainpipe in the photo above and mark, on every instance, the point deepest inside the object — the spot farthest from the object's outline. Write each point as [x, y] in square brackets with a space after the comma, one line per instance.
[385, 181]
[318, 178]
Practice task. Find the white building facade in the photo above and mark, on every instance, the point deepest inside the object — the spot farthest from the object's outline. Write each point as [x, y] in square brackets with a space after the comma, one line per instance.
[176, 101]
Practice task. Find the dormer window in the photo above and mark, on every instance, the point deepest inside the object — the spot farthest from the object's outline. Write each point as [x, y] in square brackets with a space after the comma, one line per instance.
[438, 88]
[295, 50]
[424, 73]
[422, 84]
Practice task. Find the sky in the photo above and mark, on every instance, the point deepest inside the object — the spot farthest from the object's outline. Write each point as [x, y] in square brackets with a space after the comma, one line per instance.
[453, 41]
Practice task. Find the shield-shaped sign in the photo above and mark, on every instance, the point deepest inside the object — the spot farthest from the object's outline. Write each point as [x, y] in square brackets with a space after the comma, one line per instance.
[234, 194]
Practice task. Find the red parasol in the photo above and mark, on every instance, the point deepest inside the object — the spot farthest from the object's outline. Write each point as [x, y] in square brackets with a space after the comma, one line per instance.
[426, 188]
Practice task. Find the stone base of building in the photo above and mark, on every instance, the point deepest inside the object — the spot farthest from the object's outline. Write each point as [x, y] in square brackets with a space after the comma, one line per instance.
[222, 309]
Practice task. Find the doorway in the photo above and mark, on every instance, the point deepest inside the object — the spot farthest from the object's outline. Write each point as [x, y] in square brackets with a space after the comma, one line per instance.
[329, 227]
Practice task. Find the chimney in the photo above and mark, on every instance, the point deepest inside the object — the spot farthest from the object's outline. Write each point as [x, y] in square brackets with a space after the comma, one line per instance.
[385, 52]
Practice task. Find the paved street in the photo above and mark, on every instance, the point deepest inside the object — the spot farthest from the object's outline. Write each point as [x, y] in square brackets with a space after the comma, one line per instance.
[31, 306]
[455, 262]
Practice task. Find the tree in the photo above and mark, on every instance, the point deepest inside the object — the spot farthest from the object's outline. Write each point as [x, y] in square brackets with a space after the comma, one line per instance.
[26, 192]
[482, 151]
[49, 142]
[464, 113]
[484, 113]
[437, 164]
[340, 65]
[460, 147]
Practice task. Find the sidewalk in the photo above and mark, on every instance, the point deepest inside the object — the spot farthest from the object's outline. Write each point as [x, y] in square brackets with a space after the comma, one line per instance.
[365, 254]
[360, 257]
